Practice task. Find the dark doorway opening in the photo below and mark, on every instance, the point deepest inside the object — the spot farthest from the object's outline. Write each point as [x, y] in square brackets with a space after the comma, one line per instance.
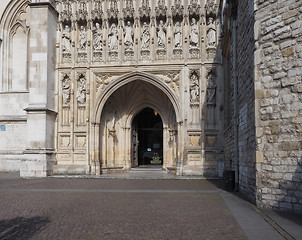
[147, 138]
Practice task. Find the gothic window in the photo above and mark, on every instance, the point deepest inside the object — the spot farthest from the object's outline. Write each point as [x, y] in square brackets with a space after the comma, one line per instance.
[18, 58]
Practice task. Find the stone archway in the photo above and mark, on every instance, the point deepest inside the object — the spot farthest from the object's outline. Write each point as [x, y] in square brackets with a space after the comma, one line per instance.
[117, 107]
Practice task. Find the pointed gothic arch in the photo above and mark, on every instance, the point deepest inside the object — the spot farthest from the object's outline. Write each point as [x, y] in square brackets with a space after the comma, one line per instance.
[164, 101]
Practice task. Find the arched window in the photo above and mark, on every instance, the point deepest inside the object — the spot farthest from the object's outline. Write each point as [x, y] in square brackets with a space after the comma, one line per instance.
[18, 58]
[14, 32]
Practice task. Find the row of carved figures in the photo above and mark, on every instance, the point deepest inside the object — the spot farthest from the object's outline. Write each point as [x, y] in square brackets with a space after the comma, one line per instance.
[145, 37]
[194, 88]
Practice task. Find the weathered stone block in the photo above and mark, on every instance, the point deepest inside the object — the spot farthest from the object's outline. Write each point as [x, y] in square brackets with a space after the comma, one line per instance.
[290, 146]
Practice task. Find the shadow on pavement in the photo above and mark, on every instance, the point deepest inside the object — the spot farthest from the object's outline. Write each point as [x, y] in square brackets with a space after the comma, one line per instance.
[21, 228]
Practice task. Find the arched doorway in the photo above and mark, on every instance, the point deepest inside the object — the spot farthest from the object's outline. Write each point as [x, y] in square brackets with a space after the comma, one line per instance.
[147, 139]
[116, 117]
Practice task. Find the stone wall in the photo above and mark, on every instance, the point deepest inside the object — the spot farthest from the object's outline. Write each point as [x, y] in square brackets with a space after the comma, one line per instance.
[279, 103]
[239, 119]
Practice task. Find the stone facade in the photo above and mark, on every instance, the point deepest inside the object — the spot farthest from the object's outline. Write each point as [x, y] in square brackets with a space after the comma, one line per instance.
[94, 65]
[224, 76]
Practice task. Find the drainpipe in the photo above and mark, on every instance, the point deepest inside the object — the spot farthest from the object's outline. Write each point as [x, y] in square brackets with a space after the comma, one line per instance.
[235, 103]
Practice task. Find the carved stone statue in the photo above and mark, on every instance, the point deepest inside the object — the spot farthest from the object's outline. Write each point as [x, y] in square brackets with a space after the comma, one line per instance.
[82, 44]
[161, 35]
[177, 35]
[145, 37]
[81, 92]
[128, 33]
[194, 88]
[66, 40]
[98, 38]
[194, 34]
[211, 33]
[211, 89]
[113, 38]
[66, 89]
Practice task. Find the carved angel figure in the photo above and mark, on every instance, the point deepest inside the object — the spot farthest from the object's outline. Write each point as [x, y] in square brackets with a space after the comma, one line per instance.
[177, 35]
[113, 38]
[145, 36]
[211, 33]
[66, 40]
[97, 38]
[128, 40]
[161, 35]
[194, 34]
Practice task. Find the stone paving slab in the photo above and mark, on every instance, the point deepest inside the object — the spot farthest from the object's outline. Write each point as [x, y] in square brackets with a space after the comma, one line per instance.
[47, 209]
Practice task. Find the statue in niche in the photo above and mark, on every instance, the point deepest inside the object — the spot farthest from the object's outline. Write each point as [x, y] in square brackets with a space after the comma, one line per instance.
[128, 40]
[161, 35]
[211, 33]
[177, 35]
[145, 37]
[66, 40]
[81, 92]
[194, 34]
[66, 89]
[82, 44]
[113, 38]
[97, 38]
[211, 89]
[194, 88]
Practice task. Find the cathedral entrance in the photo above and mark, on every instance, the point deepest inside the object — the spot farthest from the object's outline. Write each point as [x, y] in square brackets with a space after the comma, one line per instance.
[137, 126]
[147, 139]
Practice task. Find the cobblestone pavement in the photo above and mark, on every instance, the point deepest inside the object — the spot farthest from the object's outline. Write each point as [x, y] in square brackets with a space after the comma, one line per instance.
[54, 208]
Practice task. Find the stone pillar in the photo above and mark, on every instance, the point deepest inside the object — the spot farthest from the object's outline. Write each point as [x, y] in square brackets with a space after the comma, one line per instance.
[39, 154]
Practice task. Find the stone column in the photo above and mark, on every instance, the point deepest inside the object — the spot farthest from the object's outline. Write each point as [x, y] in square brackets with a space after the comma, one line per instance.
[39, 154]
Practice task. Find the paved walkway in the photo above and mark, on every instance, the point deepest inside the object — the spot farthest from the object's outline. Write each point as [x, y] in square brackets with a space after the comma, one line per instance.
[133, 205]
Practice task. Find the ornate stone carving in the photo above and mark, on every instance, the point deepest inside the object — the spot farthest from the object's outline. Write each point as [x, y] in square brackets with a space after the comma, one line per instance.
[211, 33]
[211, 88]
[173, 81]
[128, 36]
[82, 43]
[66, 44]
[97, 43]
[177, 9]
[194, 34]
[211, 8]
[161, 9]
[177, 35]
[102, 81]
[194, 140]
[97, 11]
[113, 38]
[145, 9]
[81, 91]
[194, 8]
[66, 89]
[161, 34]
[66, 13]
[113, 43]
[177, 51]
[145, 36]
[81, 13]
[112, 12]
[129, 9]
[194, 87]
